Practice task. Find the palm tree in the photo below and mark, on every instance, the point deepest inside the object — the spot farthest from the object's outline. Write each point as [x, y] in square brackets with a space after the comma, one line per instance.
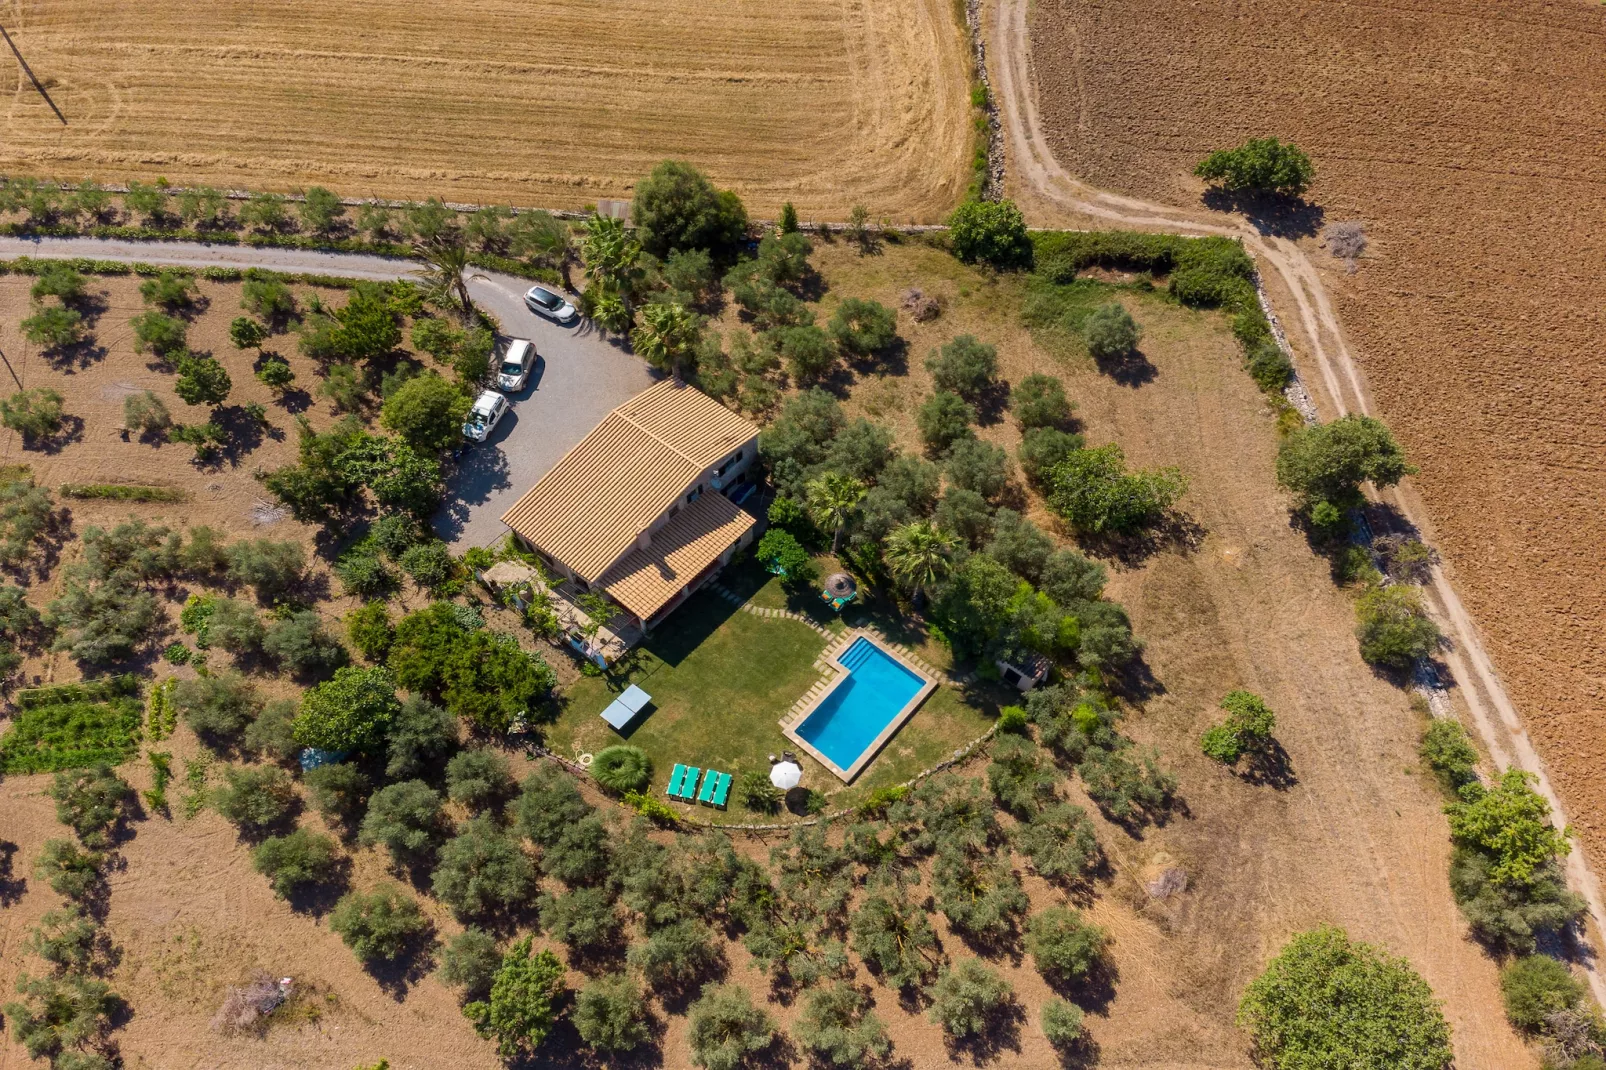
[833, 498]
[543, 236]
[667, 337]
[442, 277]
[920, 554]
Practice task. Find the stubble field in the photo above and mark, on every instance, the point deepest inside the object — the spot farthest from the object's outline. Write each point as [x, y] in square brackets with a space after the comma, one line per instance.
[1467, 137]
[555, 103]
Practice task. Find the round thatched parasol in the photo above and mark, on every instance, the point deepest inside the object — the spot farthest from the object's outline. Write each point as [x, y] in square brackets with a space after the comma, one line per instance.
[840, 585]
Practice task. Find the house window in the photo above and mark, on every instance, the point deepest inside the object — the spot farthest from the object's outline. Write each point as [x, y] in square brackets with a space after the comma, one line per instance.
[695, 494]
[730, 462]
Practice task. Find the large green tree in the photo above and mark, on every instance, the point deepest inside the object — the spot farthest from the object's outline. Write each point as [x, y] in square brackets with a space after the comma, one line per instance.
[427, 412]
[1327, 463]
[677, 207]
[523, 1005]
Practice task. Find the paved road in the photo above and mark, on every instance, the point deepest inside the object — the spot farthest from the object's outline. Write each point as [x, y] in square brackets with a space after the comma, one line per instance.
[582, 374]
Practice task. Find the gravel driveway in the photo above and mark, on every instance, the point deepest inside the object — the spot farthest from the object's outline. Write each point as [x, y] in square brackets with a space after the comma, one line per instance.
[582, 375]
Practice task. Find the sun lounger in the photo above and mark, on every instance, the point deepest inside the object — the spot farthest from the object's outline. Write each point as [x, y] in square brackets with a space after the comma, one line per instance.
[706, 795]
[722, 791]
[688, 787]
[676, 779]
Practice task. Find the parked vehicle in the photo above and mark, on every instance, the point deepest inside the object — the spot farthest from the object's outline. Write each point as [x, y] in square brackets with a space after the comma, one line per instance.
[488, 408]
[517, 364]
[545, 302]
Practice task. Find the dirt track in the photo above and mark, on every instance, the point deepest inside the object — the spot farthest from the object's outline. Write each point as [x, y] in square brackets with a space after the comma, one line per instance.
[554, 102]
[1096, 119]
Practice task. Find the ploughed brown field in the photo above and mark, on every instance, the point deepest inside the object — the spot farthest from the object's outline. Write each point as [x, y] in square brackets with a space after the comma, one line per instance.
[553, 103]
[1468, 138]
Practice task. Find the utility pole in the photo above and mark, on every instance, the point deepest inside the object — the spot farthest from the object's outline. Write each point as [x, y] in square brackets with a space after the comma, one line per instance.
[29, 72]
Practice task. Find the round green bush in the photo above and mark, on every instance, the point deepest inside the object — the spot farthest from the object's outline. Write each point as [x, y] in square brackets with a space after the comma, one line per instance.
[622, 768]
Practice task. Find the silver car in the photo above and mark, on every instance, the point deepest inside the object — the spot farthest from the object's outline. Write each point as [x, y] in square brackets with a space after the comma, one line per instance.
[517, 364]
[488, 408]
[546, 302]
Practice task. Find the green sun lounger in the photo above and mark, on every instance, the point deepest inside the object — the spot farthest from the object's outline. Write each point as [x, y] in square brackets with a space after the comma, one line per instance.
[706, 795]
[688, 787]
[676, 779]
[721, 791]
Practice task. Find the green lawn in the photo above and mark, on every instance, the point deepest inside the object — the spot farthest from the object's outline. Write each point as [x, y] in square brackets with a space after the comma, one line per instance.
[721, 679]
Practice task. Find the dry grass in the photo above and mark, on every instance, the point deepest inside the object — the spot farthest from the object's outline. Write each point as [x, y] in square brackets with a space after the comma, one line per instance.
[554, 103]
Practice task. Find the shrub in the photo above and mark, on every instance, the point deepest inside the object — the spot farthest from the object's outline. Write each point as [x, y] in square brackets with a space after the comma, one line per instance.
[522, 1007]
[269, 568]
[982, 900]
[1062, 1025]
[807, 351]
[294, 861]
[978, 466]
[268, 299]
[1042, 449]
[67, 939]
[727, 1031]
[102, 623]
[1325, 1001]
[59, 280]
[71, 872]
[964, 366]
[478, 779]
[1329, 462]
[622, 768]
[276, 374]
[967, 999]
[1093, 491]
[1039, 401]
[271, 735]
[782, 553]
[863, 327]
[170, 288]
[1260, 165]
[1393, 628]
[1110, 332]
[1066, 949]
[234, 626]
[1535, 987]
[91, 802]
[33, 414]
[351, 711]
[430, 564]
[217, 707]
[247, 333]
[1449, 753]
[677, 208]
[264, 211]
[1269, 366]
[1246, 730]
[363, 573]
[338, 790]
[993, 232]
[255, 799]
[405, 818]
[25, 516]
[470, 962]
[53, 327]
[420, 736]
[301, 644]
[840, 1029]
[320, 209]
[944, 419]
[1511, 824]
[610, 1014]
[59, 1016]
[427, 412]
[378, 926]
[584, 919]
[1508, 917]
[1059, 841]
[757, 793]
[146, 413]
[677, 956]
[481, 870]
[158, 333]
[370, 631]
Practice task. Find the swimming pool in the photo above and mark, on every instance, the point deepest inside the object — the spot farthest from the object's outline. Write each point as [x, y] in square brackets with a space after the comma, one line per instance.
[853, 719]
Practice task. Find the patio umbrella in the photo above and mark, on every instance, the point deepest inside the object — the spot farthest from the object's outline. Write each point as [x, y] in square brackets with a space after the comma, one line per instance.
[840, 585]
[785, 775]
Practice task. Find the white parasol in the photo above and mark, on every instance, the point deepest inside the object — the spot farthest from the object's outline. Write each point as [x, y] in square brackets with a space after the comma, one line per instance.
[785, 775]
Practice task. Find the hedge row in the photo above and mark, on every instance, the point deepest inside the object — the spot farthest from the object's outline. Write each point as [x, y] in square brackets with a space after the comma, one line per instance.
[32, 265]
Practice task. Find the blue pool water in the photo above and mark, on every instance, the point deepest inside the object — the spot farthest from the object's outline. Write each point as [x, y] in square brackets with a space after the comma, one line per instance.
[861, 706]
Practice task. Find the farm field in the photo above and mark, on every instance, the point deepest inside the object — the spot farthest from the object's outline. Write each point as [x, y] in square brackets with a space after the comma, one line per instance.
[1466, 137]
[553, 104]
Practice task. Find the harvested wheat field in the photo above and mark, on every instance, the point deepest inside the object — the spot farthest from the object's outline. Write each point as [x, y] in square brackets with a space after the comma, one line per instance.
[555, 103]
[1467, 137]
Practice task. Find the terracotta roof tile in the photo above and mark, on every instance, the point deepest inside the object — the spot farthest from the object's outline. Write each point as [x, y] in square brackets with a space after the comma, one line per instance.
[590, 507]
[645, 581]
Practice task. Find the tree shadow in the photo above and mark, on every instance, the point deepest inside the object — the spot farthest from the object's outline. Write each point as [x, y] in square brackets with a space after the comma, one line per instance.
[1130, 369]
[991, 402]
[317, 900]
[11, 886]
[396, 977]
[75, 357]
[1272, 214]
[1269, 767]
[1175, 530]
[71, 430]
[242, 433]
[1001, 1035]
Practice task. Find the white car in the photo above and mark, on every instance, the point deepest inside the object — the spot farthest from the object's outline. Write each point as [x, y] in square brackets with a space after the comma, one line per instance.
[488, 408]
[517, 364]
[548, 303]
